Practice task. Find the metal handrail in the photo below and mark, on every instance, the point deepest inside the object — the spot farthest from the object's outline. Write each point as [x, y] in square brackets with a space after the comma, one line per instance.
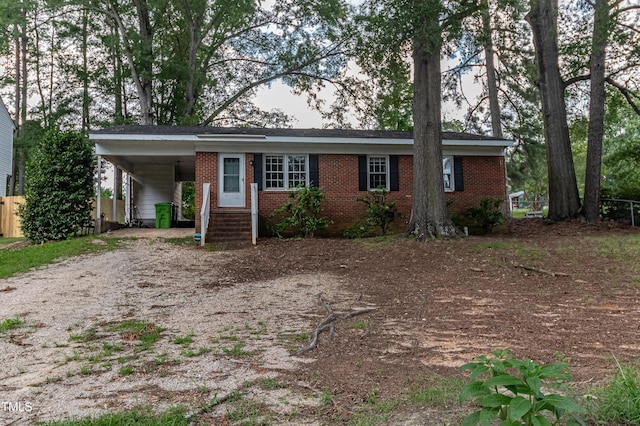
[631, 203]
[205, 212]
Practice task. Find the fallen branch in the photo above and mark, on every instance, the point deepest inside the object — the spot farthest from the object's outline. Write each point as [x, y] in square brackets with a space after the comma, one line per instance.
[356, 313]
[542, 271]
[326, 324]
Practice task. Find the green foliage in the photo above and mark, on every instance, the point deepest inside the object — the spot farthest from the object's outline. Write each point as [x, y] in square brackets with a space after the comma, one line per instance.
[144, 417]
[301, 213]
[619, 401]
[11, 324]
[380, 211]
[510, 389]
[14, 261]
[488, 215]
[189, 200]
[59, 188]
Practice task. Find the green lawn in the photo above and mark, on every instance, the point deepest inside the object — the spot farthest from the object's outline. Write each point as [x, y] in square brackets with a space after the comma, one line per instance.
[13, 261]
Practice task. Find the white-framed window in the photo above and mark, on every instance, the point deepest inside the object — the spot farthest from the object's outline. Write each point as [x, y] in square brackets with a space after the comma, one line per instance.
[377, 171]
[285, 171]
[448, 173]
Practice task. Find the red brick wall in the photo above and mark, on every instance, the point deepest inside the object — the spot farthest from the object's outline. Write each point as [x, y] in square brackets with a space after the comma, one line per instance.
[484, 177]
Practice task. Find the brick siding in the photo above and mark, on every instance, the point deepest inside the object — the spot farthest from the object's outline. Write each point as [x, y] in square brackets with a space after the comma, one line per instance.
[484, 177]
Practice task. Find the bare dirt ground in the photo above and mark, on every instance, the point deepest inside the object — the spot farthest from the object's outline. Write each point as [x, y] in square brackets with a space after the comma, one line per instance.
[231, 321]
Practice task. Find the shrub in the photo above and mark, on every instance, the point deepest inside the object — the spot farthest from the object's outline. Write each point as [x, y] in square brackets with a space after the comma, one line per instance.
[511, 391]
[58, 188]
[301, 214]
[488, 215]
[380, 212]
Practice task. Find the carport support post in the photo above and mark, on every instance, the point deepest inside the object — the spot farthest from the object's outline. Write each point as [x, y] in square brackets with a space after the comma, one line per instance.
[98, 228]
[114, 197]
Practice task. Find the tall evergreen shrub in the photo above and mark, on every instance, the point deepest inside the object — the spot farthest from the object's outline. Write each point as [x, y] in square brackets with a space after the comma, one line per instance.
[59, 187]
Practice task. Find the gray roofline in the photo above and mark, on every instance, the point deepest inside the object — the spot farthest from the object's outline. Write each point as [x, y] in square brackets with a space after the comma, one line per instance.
[208, 131]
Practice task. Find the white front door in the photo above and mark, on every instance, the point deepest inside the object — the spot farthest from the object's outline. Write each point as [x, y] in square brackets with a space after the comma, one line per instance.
[231, 180]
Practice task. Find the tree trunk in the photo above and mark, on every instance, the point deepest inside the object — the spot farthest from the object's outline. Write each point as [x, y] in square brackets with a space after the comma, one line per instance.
[429, 218]
[564, 201]
[596, 111]
[492, 84]
[142, 69]
[85, 72]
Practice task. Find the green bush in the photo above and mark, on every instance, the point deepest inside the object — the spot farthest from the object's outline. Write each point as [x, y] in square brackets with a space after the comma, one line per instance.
[488, 215]
[59, 188]
[510, 389]
[380, 212]
[300, 215]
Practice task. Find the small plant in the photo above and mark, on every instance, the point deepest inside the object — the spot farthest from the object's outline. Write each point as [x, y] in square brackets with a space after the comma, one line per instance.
[236, 350]
[301, 214]
[359, 325]
[126, 370]
[488, 215]
[511, 391]
[184, 340]
[10, 324]
[380, 211]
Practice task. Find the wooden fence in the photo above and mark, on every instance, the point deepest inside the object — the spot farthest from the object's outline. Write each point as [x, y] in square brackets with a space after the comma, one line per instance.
[10, 221]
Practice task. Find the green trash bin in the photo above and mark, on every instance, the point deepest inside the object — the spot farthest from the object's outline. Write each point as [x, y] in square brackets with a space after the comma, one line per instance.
[163, 215]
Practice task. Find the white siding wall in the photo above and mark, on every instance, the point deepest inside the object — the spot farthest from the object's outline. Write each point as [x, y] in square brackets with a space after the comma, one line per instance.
[6, 147]
[152, 184]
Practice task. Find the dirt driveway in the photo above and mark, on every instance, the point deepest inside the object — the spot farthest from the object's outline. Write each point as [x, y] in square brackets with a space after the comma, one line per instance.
[158, 324]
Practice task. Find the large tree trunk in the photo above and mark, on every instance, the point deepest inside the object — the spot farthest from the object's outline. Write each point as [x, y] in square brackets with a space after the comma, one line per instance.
[564, 201]
[429, 218]
[596, 111]
[492, 84]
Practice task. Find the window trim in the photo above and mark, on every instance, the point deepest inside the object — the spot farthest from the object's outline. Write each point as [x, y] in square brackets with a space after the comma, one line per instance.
[452, 178]
[387, 173]
[285, 171]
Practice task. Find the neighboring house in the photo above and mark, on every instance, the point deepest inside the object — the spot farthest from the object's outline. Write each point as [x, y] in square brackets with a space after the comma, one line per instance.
[7, 128]
[344, 163]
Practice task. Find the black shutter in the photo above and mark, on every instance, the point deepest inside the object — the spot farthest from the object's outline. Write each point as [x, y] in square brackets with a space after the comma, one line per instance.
[458, 175]
[313, 171]
[257, 171]
[394, 173]
[362, 173]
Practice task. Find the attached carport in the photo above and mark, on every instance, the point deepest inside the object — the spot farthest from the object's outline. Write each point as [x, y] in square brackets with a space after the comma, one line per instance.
[153, 165]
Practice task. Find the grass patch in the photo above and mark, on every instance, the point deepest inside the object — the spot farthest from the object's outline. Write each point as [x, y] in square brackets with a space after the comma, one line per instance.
[236, 350]
[379, 241]
[181, 241]
[438, 391]
[11, 324]
[190, 353]
[33, 256]
[618, 247]
[522, 250]
[184, 340]
[619, 401]
[359, 325]
[86, 336]
[6, 241]
[145, 332]
[143, 417]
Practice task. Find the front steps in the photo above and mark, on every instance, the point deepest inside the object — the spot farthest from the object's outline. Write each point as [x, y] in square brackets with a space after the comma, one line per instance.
[229, 226]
